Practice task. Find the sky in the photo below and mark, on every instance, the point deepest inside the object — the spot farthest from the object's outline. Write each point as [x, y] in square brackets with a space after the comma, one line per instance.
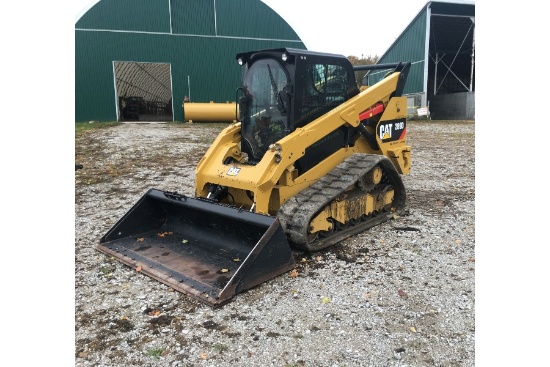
[347, 27]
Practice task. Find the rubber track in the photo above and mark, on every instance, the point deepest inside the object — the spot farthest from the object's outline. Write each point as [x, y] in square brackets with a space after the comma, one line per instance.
[296, 214]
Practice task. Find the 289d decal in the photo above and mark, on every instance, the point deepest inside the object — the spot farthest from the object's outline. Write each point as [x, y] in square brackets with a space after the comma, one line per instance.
[392, 130]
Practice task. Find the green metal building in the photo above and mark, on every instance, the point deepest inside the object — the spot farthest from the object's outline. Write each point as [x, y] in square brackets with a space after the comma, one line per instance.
[440, 44]
[143, 57]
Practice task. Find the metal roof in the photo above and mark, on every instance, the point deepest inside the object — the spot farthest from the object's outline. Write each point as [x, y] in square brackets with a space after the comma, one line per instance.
[149, 80]
[163, 51]
[440, 43]
[449, 21]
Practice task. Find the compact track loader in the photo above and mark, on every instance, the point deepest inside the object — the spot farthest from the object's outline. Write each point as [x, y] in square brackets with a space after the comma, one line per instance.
[313, 159]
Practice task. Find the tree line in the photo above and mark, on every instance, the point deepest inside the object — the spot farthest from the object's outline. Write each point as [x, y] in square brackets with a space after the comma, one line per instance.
[364, 60]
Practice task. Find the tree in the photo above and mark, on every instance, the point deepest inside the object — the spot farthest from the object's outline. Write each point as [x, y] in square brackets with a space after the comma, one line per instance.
[364, 60]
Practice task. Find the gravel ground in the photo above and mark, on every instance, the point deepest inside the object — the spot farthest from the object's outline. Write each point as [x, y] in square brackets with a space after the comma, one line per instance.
[399, 294]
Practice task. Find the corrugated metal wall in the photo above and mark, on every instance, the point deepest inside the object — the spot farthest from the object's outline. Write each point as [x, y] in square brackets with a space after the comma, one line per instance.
[449, 43]
[198, 38]
[129, 15]
[194, 18]
[410, 46]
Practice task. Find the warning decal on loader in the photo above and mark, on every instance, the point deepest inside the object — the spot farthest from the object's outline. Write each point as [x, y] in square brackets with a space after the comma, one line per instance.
[392, 130]
[233, 171]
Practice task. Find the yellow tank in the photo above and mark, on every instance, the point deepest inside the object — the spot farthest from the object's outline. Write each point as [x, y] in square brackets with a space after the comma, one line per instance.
[210, 112]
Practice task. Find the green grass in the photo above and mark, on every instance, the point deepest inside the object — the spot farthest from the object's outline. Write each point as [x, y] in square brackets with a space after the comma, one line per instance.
[155, 353]
[221, 347]
[219, 125]
[83, 126]
[106, 270]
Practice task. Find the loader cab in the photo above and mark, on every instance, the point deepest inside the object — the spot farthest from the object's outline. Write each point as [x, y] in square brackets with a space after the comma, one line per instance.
[283, 89]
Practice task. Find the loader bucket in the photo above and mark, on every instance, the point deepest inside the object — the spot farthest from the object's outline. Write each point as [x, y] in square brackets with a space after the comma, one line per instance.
[206, 250]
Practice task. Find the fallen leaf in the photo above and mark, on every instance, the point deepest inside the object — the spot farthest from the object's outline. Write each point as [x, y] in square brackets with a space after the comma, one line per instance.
[163, 234]
[294, 273]
[402, 293]
[83, 354]
[138, 268]
[472, 259]
[203, 356]
[184, 241]
[236, 259]
[224, 270]
[413, 329]
[154, 313]
[319, 258]
[140, 239]
[325, 300]
[304, 259]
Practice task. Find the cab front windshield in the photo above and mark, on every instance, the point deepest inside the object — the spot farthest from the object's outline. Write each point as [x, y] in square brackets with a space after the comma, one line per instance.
[263, 112]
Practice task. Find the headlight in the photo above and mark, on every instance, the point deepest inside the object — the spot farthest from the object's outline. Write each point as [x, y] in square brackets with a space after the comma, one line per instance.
[284, 57]
[240, 61]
